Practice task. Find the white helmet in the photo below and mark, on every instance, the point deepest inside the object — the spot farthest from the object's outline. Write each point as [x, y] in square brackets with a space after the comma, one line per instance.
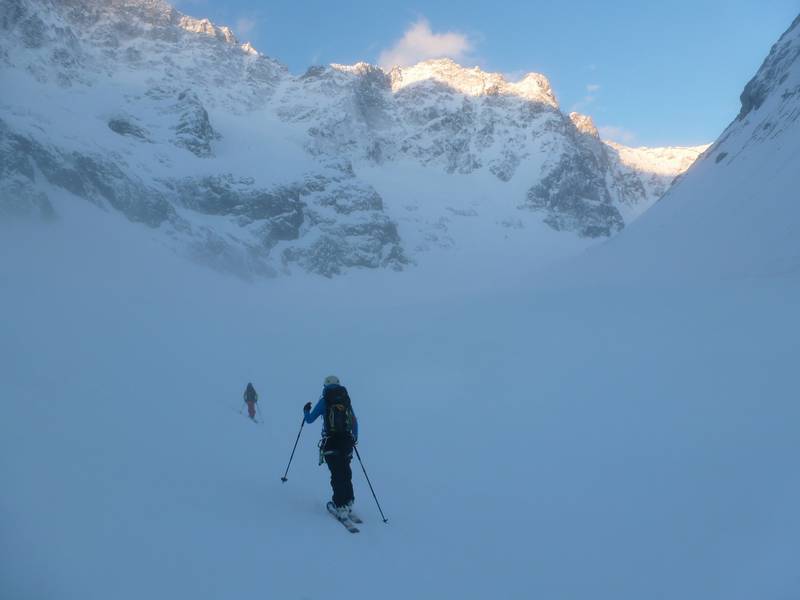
[331, 380]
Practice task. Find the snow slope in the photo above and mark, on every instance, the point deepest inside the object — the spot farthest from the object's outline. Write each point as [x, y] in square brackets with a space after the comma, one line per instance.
[736, 212]
[599, 442]
[603, 442]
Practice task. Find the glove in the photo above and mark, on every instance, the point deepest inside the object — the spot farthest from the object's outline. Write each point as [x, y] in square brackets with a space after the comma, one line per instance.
[307, 407]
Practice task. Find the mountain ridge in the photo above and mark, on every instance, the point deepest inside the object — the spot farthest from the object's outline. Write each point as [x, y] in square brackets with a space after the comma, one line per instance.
[142, 97]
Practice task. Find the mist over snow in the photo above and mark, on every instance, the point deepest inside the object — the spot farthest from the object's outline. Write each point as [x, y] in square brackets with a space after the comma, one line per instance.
[566, 388]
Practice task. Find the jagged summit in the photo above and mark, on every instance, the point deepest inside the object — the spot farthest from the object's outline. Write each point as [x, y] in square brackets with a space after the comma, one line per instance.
[153, 19]
[666, 161]
[470, 81]
[534, 84]
[359, 68]
[208, 28]
[473, 81]
[584, 124]
[250, 49]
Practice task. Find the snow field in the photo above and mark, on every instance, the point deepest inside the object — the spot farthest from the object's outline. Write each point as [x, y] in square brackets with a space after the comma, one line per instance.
[532, 440]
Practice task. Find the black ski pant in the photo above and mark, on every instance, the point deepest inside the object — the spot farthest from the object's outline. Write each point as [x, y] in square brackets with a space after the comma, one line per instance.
[338, 453]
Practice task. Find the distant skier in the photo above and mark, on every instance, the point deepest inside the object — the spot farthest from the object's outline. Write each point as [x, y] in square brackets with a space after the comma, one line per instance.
[339, 435]
[250, 398]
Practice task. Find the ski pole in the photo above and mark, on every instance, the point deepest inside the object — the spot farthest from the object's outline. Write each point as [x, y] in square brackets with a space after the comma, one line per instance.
[370, 484]
[303, 422]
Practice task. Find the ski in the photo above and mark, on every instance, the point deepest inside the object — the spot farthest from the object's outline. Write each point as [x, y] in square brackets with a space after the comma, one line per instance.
[253, 419]
[348, 524]
[355, 518]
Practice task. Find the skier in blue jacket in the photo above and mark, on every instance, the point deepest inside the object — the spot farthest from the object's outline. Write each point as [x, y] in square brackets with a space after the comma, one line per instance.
[339, 435]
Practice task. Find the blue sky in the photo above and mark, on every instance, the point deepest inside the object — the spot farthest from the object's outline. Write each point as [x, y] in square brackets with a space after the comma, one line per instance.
[649, 73]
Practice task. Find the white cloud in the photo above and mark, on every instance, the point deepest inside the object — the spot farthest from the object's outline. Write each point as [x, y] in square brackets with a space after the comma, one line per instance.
[617, 134]
[420, 43]
[244, 25]
[592, 87]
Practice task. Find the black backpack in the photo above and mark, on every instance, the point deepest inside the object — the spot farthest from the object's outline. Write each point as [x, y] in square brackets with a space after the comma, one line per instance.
[339, 417]
[250, 394]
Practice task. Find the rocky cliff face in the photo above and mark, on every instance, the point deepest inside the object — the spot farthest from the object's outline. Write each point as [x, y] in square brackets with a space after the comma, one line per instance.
[770, 100]
[137, 108]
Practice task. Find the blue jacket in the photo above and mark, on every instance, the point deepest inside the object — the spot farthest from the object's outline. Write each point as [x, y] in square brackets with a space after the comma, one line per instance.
[319, 409]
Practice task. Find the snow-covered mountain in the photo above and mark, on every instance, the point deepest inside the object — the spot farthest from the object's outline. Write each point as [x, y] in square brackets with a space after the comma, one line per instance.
[232, 160]
[736, 212]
